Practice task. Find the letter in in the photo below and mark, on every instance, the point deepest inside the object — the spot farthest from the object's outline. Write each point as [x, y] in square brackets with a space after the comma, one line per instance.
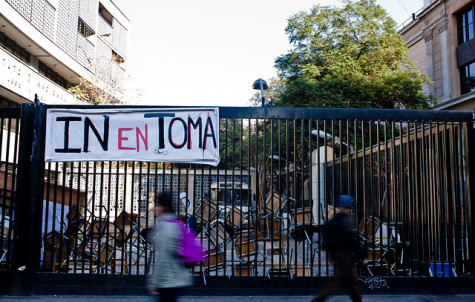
[67, 120]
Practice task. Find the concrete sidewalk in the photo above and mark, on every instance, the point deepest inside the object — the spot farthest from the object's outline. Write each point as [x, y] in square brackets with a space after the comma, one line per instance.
[367, 298]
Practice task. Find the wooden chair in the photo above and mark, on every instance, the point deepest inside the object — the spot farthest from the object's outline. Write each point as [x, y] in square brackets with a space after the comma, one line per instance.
[125, 219]
[233, 218]
[217, 235]
[274, 204]
[268, 227]
[301, 216]
[215, 260]
[245, 269]
[271, 221]
[206, 212]
[329, 213]
[3, 247]
[56, 251]
[98, 228]
[246, 249]
[302, 270]
[377, 262]
[383, 244]
[402, 261]
[367, 230]
[280, 267]
[302, 225]
[113, 251]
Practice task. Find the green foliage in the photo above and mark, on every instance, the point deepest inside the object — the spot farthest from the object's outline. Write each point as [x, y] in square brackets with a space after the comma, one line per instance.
[234, 144]
[349, 57]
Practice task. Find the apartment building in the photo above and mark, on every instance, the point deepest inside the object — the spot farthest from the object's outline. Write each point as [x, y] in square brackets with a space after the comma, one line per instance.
[441, 43]
[47, 46]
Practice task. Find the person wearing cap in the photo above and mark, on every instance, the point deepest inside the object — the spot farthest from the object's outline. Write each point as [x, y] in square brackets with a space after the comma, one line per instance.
[345, 246]
[168, 274]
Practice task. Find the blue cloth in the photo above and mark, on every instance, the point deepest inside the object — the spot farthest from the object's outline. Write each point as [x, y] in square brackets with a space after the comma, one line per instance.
[190, 221]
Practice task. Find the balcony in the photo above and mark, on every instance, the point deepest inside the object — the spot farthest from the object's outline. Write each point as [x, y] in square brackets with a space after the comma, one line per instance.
[24, 81]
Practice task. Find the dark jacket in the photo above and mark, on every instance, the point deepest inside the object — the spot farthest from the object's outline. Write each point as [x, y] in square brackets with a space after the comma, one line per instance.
[340, 236]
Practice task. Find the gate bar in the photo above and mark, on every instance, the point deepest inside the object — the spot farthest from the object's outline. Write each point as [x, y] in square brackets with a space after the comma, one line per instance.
[25, 257]
[469, 149]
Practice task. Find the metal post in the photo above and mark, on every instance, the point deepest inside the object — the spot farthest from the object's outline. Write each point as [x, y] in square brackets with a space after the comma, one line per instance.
[261, 86]
[470, 163]
[27, 236]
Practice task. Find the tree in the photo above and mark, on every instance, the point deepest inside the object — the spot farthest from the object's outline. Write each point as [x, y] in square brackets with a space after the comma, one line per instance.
[106, 85]
[348, 57]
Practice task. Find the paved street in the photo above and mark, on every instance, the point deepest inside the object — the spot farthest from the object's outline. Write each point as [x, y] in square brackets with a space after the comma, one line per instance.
[368, 298]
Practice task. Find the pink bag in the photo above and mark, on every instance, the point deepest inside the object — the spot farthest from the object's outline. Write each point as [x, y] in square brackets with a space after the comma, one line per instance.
[190, 249]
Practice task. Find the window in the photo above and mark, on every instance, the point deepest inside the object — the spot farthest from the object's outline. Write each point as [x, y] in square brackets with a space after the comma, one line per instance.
[104, 13]
[84, 29]
[467, 75]
[465, 25]
[4, 102]
[15, 49]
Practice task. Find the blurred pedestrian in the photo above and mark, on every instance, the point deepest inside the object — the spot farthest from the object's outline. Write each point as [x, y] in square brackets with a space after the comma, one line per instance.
[340, 240]
[168, 275]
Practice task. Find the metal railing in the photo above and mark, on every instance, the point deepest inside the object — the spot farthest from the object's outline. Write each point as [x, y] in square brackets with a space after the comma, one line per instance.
[9, 138]
[412, 18]
[260, 212]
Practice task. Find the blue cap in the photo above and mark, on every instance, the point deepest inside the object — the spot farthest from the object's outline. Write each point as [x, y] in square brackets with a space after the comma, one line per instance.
[345, 201]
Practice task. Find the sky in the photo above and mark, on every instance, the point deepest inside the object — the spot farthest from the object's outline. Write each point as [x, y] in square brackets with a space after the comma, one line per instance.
[209, 52]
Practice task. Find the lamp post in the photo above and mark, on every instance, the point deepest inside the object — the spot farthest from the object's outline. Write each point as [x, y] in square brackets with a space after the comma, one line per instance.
[261, 85]
[336, 139]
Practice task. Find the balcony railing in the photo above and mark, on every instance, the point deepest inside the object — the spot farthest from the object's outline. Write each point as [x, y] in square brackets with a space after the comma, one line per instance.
[25, 81]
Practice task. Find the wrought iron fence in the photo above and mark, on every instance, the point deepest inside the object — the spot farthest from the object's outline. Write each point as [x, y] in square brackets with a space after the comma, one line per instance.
[259, 213]
[9, 137]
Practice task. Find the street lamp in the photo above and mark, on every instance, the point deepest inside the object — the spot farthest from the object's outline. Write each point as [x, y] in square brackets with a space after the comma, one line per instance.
[261, 85]
[336, 139]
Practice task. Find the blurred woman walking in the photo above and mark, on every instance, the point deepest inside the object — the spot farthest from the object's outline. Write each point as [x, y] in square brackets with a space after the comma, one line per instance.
[168, 274]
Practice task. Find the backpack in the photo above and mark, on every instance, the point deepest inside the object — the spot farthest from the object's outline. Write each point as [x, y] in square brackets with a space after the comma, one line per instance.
[190, 250]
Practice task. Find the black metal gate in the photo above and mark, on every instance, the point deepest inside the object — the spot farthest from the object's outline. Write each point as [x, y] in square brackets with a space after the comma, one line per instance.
[9, 140]
[83, 225]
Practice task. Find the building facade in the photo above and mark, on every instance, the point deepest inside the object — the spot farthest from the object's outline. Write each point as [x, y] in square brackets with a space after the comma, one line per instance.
[46, 47]
[441, 43]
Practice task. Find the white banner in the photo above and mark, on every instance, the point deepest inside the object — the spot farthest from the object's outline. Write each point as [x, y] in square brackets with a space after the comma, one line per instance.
[184, 135]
